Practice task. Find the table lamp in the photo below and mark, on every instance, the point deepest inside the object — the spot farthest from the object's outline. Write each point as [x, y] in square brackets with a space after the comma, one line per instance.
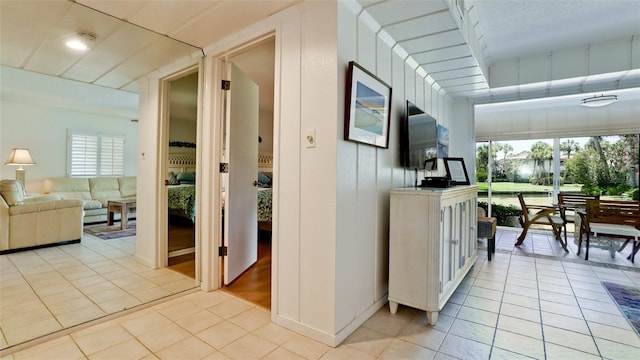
[20, 157]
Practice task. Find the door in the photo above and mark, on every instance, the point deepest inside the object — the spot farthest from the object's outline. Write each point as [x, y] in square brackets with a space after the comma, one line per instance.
[241, 209]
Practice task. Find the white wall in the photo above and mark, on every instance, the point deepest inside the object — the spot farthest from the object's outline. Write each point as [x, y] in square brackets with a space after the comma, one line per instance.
[365, 174]
[36, 112]
[331, 202]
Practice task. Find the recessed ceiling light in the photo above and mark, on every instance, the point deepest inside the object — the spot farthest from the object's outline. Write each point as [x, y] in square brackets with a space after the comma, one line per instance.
[598, 101]
[81, 41]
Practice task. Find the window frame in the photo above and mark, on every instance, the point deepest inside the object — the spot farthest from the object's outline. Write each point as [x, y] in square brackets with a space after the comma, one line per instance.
[107, 158]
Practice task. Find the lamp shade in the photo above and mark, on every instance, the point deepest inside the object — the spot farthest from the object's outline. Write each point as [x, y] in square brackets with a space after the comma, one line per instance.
[19, 157]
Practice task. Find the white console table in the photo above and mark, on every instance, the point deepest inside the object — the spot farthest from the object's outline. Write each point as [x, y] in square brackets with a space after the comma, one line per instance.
[432, 245]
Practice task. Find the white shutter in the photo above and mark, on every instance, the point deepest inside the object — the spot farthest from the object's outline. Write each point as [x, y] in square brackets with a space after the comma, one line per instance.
[93, 154]
[83, 155]
[112, 155]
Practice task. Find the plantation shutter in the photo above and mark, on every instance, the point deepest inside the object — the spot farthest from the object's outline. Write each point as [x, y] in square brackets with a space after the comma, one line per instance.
[84, 155]
[94, 154]
[112, 156]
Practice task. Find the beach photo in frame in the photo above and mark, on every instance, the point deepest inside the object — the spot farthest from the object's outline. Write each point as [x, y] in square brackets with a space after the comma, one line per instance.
[368, 106]
[456, 171]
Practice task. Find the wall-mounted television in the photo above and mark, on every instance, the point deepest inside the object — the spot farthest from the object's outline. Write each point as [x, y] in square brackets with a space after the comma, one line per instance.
[419, 139]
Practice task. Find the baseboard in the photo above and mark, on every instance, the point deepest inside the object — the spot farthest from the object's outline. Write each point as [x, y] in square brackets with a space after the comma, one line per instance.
[35, 247]
[329, 339]
[181, 252]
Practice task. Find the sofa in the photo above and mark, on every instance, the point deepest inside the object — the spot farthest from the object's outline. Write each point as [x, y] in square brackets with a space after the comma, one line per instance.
[35, 221]
[94, 193]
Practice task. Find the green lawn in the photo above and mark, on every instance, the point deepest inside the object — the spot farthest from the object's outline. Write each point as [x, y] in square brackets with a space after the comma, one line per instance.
[524, 187]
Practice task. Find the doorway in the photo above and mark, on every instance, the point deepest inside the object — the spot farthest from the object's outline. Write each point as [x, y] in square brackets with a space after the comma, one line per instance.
[181, 173]
[254, 283]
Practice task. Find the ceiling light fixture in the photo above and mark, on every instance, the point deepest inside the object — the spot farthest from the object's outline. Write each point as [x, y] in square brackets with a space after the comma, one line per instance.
[598, 101]
[82, 41]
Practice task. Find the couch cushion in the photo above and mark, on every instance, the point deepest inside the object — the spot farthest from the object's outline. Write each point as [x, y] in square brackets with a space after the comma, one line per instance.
[104, 187]
[127, 186]
[92, 204]
[44, 206]
[42, 198]
[12, 191]
[68, 188]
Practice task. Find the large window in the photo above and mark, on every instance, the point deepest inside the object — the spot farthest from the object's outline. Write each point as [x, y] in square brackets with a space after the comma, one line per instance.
[95, 154]
[540, 168]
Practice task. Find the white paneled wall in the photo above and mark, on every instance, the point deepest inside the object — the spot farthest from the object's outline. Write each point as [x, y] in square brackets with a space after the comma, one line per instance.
[366, 174]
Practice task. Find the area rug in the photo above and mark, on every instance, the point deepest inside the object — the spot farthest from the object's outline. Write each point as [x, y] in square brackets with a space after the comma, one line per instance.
[105, 232]
[628, 300]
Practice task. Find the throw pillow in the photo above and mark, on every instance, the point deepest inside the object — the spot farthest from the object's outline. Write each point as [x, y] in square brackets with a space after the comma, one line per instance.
[173, 180]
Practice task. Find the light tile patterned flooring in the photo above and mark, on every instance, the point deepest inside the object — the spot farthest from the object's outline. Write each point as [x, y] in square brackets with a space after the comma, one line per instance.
[529, 302]
[49, 289]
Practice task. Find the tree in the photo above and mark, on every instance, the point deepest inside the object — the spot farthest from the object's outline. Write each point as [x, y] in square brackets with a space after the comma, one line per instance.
[568, 146]
[540, 153]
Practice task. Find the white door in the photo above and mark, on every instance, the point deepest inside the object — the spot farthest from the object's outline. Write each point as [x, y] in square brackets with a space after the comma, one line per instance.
[241, 209]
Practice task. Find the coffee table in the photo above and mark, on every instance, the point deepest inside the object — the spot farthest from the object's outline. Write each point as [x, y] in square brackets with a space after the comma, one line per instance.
[124, 207]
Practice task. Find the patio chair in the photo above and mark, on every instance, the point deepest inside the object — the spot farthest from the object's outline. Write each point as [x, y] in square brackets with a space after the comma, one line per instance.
[568, 203]
[615, 220]
[540, 215]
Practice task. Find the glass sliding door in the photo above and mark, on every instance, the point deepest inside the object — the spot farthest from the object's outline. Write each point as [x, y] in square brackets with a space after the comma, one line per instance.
[540, 168]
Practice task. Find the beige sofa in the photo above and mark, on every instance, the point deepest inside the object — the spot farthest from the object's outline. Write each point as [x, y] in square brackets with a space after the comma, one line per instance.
[94, 192]
[36, 221]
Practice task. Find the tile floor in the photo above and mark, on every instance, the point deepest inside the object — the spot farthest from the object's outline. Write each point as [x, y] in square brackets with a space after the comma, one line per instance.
[49, 289]
[529, 302]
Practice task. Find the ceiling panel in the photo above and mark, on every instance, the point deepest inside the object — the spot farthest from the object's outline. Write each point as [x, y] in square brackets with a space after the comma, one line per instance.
[422, 26]
[433, 42]
[391, 12]
[125, 42]
[437, 55]
[24, 26]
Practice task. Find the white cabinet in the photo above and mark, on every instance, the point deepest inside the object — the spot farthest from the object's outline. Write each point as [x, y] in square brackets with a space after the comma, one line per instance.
[432, 245]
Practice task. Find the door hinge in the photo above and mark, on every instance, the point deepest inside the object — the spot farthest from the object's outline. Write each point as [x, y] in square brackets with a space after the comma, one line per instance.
[226, 85]
[222, 251]
[224, 168]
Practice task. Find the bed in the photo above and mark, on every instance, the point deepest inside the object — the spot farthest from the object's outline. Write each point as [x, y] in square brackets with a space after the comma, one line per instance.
[181, 183]
[182, 197]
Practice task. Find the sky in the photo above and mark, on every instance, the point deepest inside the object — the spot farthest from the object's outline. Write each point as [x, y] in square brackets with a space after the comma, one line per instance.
[525, 145]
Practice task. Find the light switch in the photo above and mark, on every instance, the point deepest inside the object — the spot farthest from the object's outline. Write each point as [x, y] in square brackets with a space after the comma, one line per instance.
[310, 138]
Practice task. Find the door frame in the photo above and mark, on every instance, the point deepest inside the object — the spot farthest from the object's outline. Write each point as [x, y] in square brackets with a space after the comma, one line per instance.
[212, 265]
[162, 211]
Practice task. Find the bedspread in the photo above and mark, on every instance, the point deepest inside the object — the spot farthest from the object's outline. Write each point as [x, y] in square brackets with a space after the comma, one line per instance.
[264, 205]
[182, 200]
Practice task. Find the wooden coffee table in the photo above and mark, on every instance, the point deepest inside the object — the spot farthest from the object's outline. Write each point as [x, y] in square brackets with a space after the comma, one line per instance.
[124, 207]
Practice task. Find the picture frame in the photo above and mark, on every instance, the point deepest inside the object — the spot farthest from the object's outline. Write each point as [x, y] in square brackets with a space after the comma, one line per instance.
[367, 107]
[456, 170]
[431, 164]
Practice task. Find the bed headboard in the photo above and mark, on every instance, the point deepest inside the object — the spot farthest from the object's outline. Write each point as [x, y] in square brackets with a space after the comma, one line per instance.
[265, 162]
[182, 159]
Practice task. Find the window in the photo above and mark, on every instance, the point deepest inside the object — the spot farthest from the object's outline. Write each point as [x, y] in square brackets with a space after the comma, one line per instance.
[95, 154]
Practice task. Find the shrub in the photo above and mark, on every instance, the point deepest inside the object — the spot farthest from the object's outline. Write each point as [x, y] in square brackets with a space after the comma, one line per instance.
[501, 212]
[481, 176]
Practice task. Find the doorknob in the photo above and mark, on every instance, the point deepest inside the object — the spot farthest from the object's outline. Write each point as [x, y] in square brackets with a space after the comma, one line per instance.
[255, 183]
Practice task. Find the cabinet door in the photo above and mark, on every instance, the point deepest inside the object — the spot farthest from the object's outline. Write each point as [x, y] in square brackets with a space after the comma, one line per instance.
[446, 246]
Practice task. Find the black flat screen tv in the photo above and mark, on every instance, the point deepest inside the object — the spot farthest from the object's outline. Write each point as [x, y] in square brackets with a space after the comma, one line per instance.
[419, 139]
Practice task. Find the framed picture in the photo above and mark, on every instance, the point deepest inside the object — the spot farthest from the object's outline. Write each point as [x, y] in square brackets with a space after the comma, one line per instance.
[368, 106]
[456, 171]
[431, 164]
